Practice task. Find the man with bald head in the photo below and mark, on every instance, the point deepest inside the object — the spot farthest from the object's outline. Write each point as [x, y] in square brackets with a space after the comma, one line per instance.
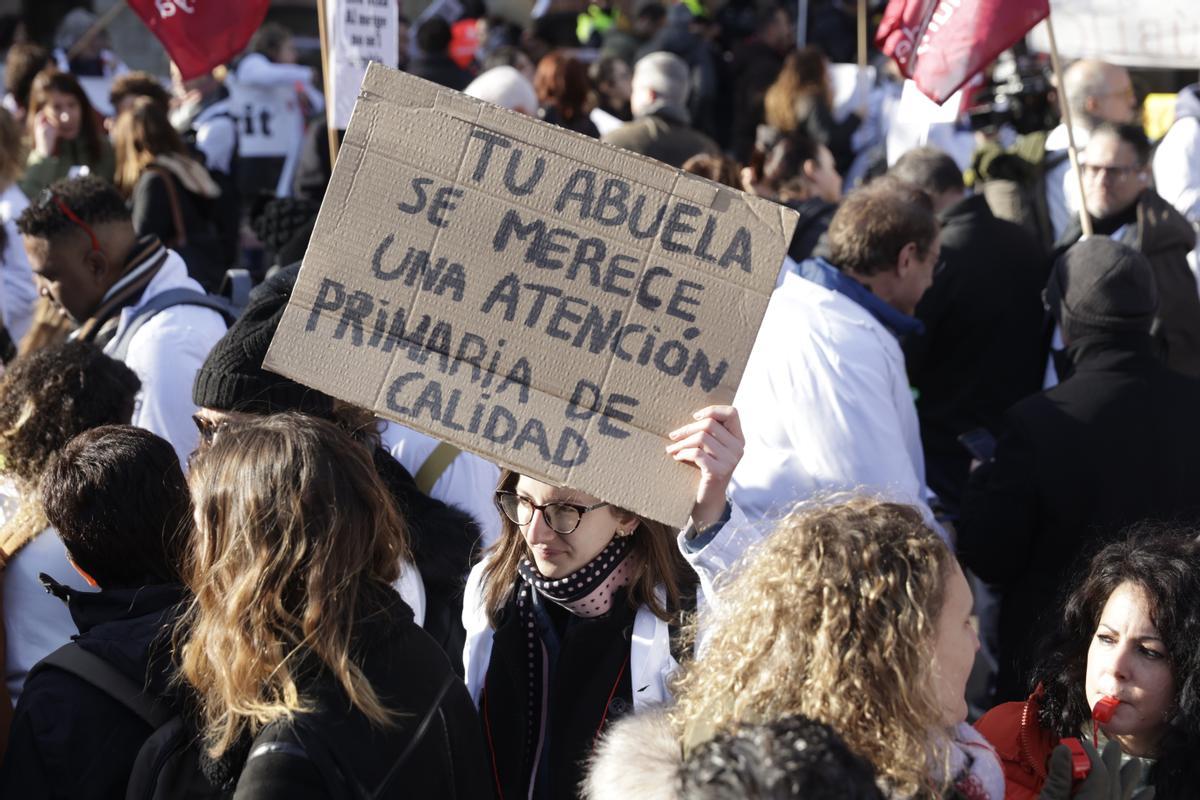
[1032, 182]
[1097, 93]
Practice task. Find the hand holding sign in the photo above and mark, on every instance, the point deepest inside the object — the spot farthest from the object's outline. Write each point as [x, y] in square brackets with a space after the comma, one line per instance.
[714, 444]
[552, 303]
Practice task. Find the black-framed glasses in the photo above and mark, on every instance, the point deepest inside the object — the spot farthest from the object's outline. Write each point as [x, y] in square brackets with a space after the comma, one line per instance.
[1118, 171]
[563, 518]
[48, 198]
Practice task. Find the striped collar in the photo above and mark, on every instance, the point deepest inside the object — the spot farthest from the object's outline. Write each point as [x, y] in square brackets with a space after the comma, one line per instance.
[144, 262]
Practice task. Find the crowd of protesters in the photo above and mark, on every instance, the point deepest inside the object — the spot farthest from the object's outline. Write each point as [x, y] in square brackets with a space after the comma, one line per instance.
[945, 541]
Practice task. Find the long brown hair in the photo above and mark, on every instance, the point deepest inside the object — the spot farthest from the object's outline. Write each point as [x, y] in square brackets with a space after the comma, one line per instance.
[802, 82]
[90, 127]
[658, 562]
[296, 538]
[142, 133]
[561, 82]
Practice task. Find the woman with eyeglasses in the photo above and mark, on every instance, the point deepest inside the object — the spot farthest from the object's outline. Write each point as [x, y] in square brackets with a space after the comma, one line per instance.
[571, 615]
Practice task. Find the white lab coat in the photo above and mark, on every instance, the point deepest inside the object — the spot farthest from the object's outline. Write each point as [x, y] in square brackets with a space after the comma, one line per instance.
[825, 406]
[16, 276]
[650, 659]
[166, 353]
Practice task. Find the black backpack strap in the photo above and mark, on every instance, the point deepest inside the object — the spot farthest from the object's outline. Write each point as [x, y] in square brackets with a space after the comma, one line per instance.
[418, 734]
[94, 670]
[161, 302]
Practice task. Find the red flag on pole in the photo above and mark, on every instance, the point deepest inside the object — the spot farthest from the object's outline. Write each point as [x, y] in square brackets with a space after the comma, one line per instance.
[201, 34]
[941, 44]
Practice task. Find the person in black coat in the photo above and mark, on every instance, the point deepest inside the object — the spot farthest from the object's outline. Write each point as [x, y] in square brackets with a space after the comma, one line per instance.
[296, 546]
[232, 385]
[1116, 443]
[117, 496]
[982, 348]
[433, 62]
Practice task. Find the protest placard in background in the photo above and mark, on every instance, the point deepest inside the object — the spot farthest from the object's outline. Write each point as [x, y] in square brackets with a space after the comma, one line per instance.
[1162, 33]
[361, 31]
[551, 303]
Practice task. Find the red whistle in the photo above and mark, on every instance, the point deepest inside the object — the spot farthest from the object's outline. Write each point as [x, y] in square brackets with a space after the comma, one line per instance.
[1104, 710]
[1081, 765]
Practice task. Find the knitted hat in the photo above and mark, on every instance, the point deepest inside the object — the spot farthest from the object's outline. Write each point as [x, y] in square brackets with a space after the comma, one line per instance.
[1102, 286]
[232, 378]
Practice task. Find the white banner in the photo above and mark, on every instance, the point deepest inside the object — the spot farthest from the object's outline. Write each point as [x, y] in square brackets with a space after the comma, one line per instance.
[360, 31]
[1145, 33]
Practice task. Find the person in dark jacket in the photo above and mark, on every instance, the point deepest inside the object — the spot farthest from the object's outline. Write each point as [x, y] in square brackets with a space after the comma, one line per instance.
[118, 499]
[678, 37]
[232, 385]
[756, 63]
[561, 83]
[1123, 205]
[982, 347]
[170, 193]
[433, 62]
[1115, 443]
[798, 172]
[661, 126]
[295, 549]
[801, 98]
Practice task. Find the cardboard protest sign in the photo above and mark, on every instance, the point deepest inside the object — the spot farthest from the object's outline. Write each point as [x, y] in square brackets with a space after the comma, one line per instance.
[551, 303]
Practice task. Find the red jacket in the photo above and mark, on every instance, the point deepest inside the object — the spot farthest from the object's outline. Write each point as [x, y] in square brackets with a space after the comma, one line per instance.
[1023, 745]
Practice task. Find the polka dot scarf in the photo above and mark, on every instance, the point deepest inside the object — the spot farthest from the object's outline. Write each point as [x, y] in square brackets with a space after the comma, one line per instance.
[587, 592]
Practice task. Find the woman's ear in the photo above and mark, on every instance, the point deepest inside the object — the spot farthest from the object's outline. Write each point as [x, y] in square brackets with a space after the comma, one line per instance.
[627, 522]
[809, 170]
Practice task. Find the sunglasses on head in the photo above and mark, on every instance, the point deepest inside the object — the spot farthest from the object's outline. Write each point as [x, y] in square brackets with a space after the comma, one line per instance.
[49, 198]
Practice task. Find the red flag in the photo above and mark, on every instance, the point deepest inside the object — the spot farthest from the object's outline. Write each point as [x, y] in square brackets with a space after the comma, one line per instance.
[201, 34]
[941, 44]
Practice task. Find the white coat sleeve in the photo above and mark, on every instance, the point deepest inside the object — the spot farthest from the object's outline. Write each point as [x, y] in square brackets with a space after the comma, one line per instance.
[477, 651]
[258, 70]
[166, 353]
[1177, 167]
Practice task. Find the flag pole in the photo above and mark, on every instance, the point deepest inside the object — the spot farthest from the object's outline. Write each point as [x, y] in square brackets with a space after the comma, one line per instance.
[862, 35]
[331, 132]
[1085, 222]
[96, 28]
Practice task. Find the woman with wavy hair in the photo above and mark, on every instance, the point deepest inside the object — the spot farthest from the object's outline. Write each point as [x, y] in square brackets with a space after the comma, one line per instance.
[563, 91]
[312, 678]
[801, 99]
[1130, 631]
[570, 614]
[857, 616]
[170, 193]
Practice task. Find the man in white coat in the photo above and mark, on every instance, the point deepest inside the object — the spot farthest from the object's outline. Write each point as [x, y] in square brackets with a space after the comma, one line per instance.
[90, 264]
[825, 401]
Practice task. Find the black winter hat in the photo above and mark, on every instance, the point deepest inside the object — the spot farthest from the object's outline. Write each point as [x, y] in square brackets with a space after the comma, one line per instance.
[232, 378]
[1102, 286]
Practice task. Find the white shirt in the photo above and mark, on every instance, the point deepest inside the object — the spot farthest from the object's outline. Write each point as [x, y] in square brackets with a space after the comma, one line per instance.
[36, 623]
[1177, 176]
[825, 406]
[265, 97]
[1062, 185]
[165, 353]
[468, 483]
[16, 276]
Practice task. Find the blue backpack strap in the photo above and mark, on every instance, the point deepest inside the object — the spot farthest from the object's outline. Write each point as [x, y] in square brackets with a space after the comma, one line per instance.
[161, 302]
[97, 672]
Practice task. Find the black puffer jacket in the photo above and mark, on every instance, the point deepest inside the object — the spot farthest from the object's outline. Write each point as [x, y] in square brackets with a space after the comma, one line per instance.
[70, 739]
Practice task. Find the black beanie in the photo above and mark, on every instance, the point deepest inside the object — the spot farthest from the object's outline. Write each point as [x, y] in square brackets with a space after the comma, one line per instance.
[1102, 286]
[232, 378]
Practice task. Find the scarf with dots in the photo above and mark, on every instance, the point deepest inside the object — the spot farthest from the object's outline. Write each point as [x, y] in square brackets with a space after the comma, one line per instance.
[587, 592]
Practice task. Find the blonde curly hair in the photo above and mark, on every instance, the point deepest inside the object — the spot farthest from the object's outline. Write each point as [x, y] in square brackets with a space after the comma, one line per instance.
[834, 617]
